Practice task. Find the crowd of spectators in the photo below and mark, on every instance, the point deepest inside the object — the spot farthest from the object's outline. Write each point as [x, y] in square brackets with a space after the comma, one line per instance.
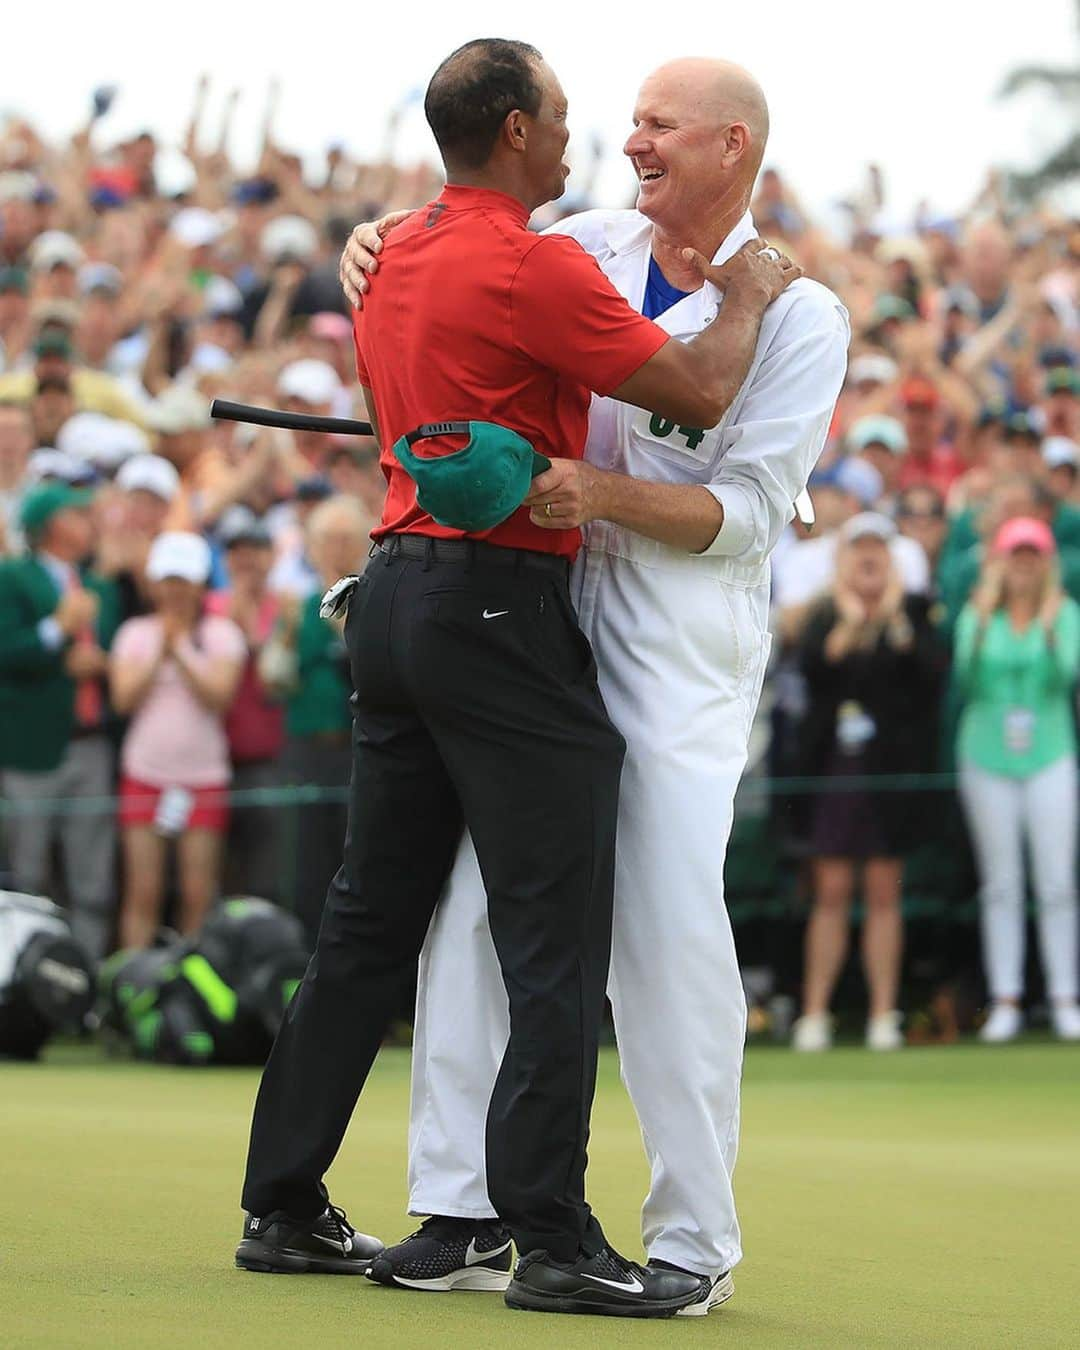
[162, 657]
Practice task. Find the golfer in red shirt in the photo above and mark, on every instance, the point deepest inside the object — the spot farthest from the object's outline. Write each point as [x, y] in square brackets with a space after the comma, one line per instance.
[476, 698]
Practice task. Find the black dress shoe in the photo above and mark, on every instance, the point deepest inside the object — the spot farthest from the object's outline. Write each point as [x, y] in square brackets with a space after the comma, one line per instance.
[327, 1245]
[605, 1284]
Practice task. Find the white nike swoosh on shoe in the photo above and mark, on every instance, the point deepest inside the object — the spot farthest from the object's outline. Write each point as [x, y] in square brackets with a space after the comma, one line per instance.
[345, 1246]
[633, 1287]
[472, 1256]
[497, 614]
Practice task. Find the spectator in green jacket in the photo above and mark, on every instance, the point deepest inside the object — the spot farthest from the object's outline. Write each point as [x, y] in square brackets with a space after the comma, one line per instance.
[1016, 665]
[56, 621]
[306, 664]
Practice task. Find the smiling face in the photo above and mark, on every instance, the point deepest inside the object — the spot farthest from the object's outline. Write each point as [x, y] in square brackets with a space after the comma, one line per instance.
[548, 136]
[699, 133]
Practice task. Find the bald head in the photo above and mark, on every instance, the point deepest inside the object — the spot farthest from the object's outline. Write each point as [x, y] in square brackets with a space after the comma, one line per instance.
[721, 92]
[701, 127]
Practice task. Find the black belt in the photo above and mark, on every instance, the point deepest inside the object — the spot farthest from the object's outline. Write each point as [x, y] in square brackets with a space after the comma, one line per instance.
[427, 549]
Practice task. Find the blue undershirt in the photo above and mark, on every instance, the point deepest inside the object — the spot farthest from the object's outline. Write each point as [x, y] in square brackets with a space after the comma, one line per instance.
[660, 294]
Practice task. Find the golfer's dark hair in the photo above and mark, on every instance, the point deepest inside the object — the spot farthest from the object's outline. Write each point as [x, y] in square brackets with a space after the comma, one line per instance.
[472, 93]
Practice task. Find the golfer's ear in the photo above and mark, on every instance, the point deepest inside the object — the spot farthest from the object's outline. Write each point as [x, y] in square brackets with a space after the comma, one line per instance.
[514, 131]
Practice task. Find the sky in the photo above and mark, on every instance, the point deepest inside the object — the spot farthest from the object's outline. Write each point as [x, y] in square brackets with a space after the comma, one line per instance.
[909, 85]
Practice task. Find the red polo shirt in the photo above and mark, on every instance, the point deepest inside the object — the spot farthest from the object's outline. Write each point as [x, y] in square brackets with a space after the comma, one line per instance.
[472, 316]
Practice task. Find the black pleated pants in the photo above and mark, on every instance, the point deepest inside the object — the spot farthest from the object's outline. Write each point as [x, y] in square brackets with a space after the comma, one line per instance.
[476, 701]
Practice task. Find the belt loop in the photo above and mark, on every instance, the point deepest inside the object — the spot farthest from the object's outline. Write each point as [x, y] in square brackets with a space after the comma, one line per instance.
[470, 554]
[429, 552]
[388, 550]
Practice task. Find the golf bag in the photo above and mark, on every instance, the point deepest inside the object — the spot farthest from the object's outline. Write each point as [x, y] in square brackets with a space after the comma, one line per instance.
[46, 978]
[217, 999]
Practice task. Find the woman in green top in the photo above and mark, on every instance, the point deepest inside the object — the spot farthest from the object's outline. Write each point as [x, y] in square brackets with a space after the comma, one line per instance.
[1016, 663]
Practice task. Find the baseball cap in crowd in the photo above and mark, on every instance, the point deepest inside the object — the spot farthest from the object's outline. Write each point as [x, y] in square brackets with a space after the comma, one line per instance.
[858, 478]
[477, 487]
[99, 440]
[331, 327]
[240, 525]
[868, 525]
[1052, 358]
[196, 227]
[958, 299]
[1022, 426]
[1024, 532]
[991, 413]
[315, 488]
[873, 368]
[878, 430]
[53, 342]
[254, 191]
[289, 238]
[55, 313]
[14, 279]
[888, 307]
[919, 393]
[177, 409]
[309, 380]
[176, 553]
[149, 473]
[55, 248]
[47, 463]
[17, 186]
[1057, 451]
[1063, 380]
[42, 503]
[100, 276]
[221, 297]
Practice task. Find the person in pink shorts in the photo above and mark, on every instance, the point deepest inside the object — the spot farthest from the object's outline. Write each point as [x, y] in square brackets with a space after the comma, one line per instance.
[174, 673]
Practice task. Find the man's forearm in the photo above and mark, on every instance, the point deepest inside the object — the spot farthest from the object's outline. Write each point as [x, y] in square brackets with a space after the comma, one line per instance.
[685, 516]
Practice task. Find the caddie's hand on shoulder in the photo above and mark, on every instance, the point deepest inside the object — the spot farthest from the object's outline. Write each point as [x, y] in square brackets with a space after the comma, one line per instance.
[757, 274]
[360, 258]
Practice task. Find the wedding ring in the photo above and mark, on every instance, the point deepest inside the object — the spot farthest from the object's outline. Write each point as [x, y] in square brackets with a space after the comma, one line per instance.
[547, 510]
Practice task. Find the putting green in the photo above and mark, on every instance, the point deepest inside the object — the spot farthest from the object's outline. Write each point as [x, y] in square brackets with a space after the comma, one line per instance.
[928, 1198]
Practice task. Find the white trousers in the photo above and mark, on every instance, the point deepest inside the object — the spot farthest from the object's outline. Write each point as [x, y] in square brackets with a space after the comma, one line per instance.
[1001, 812]
[681, 654]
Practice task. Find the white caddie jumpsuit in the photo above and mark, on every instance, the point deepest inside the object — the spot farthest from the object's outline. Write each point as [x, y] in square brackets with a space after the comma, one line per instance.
[681, 646]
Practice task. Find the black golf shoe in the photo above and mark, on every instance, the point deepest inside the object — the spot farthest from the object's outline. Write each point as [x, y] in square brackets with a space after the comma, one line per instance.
[446, 1253]
[328, 1245]
[606, 1284]
[713, 1292]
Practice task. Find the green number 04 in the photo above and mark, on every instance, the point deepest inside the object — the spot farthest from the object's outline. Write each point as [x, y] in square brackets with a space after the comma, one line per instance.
[660, 426]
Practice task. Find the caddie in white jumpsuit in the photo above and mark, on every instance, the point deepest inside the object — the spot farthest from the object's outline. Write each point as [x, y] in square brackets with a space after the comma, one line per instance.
[681, 647]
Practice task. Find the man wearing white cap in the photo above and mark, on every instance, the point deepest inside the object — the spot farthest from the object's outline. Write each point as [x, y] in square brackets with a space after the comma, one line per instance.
[55, 258]
[1062, 459]
[131, 522]
[312, 387]
[103, 442]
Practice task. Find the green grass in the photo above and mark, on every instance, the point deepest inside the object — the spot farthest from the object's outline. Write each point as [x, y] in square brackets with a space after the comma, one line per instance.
[929, 1198]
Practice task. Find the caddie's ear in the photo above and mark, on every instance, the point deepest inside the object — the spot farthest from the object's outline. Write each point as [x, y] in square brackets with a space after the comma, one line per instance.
[514, 132]
[735, 140]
